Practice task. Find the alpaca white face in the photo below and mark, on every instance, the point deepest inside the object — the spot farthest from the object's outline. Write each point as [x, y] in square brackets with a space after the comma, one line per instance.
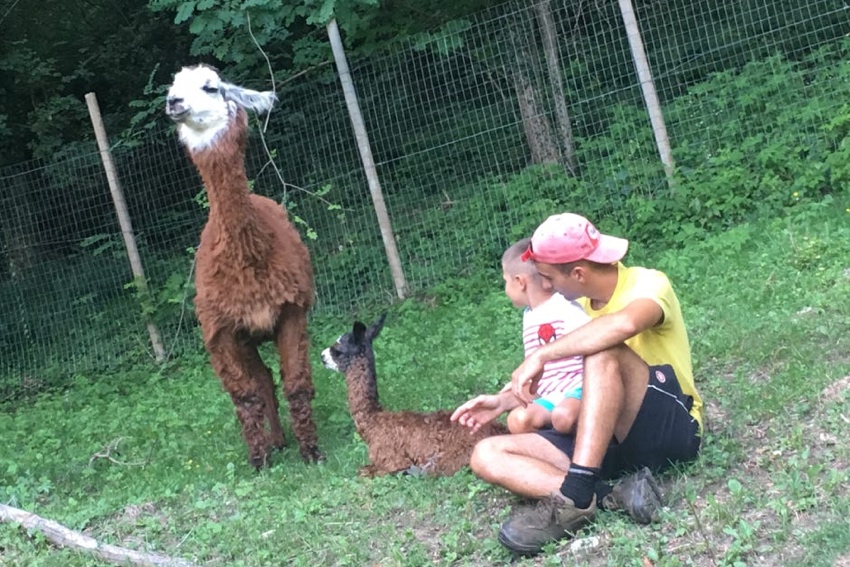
[329, 361]
[331, 354]
[196, 101]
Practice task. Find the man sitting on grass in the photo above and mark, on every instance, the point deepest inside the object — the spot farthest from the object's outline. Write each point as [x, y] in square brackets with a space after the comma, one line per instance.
[640, 408]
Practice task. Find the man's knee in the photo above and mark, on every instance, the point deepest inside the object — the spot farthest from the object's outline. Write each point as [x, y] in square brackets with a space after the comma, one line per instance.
[483, 455]
[618, 361]
[601, 363]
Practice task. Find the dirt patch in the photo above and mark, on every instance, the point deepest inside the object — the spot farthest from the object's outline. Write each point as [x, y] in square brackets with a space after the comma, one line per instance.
[835, 391]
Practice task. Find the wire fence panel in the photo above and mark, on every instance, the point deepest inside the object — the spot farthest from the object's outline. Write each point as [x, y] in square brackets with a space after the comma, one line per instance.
[479, 131]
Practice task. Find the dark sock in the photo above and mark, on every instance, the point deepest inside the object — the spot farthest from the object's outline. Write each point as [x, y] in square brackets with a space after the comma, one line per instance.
[602, 489]
[579, 485]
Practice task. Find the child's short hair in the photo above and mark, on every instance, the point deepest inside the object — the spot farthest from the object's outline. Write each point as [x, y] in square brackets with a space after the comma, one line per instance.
[512, 260]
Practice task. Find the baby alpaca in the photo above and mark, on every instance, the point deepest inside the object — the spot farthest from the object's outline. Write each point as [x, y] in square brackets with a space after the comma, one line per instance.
[403, 441]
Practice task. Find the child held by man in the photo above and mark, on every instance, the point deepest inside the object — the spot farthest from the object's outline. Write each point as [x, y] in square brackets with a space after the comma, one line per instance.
[547, 315]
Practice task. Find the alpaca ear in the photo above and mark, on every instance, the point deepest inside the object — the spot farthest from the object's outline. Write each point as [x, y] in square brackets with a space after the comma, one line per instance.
[376, 327]
[358, 332]
[247, 98]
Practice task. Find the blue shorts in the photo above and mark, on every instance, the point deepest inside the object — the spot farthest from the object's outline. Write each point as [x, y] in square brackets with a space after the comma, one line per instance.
[549, 401]
[663, 433]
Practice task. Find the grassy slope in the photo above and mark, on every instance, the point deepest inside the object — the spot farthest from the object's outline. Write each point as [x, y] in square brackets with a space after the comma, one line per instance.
[767, 309]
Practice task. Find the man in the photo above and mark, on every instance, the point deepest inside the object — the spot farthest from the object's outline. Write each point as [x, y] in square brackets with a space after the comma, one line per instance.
[640, 408]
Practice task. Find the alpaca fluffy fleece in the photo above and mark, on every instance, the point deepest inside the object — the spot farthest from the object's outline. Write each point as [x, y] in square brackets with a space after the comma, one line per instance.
[254, 279]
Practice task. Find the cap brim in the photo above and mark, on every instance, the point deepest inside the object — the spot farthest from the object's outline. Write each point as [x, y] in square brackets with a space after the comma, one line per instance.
[609, 250]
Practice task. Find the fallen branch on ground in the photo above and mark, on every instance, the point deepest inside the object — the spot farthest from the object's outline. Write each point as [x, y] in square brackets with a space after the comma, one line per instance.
[65, 537]
[106, 453]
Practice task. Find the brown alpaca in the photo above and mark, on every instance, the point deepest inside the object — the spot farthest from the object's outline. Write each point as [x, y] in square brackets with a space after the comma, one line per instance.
[403, 441]
[254, 281]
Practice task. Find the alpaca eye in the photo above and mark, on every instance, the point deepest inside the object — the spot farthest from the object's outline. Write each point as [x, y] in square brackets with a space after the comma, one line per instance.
[209, 89]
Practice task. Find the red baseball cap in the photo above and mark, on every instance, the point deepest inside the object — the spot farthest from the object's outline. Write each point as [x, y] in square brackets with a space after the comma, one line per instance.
[568, 237]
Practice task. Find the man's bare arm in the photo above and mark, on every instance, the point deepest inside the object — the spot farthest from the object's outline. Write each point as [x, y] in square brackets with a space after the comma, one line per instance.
[594, 336]
[604, 332]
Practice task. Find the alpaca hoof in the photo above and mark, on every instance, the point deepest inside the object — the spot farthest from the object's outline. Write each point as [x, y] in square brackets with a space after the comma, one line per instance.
[369, 471]
[414, 470]
[258, 461]
[312, 455]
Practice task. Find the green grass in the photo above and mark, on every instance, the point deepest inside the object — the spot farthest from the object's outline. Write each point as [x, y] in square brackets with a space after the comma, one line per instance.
[769, 319]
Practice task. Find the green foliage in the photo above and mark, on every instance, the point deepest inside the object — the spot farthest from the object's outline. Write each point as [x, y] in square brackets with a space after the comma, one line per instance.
[57, 53]
[54, 122]
[231, 30]
[149, 107]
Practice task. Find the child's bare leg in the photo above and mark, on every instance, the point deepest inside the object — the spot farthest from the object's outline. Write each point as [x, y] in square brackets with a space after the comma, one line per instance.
[565, 415]
[528, 419]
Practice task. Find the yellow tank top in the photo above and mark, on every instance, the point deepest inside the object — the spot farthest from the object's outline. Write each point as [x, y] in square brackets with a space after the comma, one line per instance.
[667, 342]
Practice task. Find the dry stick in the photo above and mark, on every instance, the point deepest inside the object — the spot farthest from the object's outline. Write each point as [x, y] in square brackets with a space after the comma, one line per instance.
[65, 537]
[268, 64]
[268, 116]
[701, 530]
[106, 453]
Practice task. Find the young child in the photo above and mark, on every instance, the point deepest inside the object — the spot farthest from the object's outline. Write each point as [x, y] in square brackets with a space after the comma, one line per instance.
[547, 315]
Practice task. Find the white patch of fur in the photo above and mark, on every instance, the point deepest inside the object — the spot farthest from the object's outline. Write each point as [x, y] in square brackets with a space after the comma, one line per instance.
[201, 134]
[203, 104]
[328, 360]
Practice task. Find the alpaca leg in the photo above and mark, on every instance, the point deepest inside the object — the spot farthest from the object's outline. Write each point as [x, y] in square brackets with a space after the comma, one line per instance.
[296, 377]
[231, 360]
[263, 375]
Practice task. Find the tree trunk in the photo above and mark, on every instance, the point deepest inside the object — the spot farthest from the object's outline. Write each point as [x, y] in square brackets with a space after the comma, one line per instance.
[532, 107]
[19, 250]
[548, 33]
[535, 124]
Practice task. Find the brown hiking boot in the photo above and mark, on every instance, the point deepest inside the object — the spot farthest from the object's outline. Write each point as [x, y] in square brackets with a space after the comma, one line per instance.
[553, 518]
[638, 495]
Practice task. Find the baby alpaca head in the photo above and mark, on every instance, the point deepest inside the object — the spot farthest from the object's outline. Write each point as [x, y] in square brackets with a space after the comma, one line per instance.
[202, 104]
[354, 345]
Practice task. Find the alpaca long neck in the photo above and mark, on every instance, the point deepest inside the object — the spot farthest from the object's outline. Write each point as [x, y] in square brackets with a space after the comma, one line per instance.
[222, 169]
[362, 392]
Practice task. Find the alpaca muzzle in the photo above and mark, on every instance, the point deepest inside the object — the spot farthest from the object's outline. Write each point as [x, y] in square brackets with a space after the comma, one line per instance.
[328, 360]
[176, 110]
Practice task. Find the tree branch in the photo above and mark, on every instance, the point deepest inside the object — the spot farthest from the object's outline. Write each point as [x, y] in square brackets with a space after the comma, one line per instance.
[65, 537]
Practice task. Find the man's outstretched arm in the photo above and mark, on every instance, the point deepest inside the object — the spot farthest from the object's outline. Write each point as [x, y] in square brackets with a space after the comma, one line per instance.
[483, 409]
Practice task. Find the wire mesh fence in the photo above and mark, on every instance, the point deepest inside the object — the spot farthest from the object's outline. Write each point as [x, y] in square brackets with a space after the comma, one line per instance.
[479, 131]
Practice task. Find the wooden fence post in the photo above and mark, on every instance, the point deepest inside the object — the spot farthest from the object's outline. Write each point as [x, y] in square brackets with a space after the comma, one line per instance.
[650, 96]
[123, 218]
[365, 149]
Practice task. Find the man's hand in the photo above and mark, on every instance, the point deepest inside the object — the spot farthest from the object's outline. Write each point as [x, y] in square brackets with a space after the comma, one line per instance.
[479, 411]
[524, 379]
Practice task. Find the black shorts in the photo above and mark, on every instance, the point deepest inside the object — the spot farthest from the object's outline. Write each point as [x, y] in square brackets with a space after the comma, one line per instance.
[663, 433]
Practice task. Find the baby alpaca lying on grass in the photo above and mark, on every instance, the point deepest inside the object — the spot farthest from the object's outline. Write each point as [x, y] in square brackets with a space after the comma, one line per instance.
[403, 441]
